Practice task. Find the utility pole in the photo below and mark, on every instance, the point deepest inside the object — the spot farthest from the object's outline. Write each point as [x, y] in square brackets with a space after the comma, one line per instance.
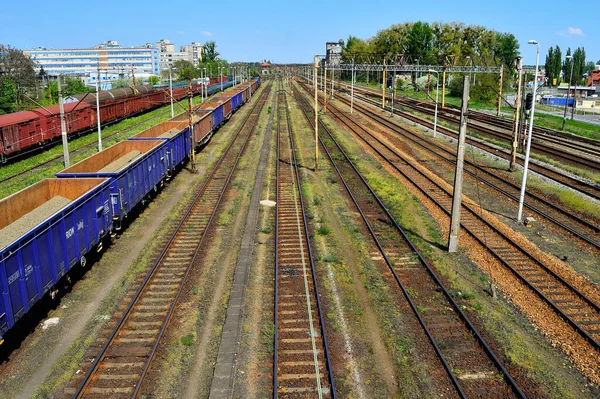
[458, 176]
[352, 88]
[332, 83]
[63, 125]
[98, 111]
[171, 91]
[383, 83]
[443, 87]
[529, 134]
[316, 114]
[133, 78]
[393, 92]
[517, 106]
[325, 86]
[500, 90]
[191, 125]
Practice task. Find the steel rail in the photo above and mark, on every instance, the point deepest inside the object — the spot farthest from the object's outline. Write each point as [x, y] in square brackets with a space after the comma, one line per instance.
[296, 179]
[592, 190]
[511, 382]
[428, 145]
[594, 343]
[81, 388]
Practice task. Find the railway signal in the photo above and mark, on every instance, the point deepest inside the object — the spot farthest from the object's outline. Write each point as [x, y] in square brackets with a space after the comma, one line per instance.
[528, 101]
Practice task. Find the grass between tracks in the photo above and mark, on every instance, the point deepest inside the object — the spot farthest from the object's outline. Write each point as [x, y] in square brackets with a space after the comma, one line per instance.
[129, 127]
[521, 344]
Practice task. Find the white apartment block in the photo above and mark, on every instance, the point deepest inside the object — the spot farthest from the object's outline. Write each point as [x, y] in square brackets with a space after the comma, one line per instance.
[109, 57]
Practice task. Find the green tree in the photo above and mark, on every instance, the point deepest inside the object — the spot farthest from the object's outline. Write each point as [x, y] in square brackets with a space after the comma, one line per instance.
[16, 68]
[578, 65]
[8, 96]
[420, 42]
[567, 66]
[153, 80]
[506, 49]
[210, 51]
[186, 70]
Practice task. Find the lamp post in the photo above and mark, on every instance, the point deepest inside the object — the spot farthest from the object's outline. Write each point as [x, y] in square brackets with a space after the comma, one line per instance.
[526, 163]
[437, 89]
[568, 92]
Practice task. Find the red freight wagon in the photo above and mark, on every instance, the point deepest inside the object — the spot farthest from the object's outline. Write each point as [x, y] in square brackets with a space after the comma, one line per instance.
[26, 129]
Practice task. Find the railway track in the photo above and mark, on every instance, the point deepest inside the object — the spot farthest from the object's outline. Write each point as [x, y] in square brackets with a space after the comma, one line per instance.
[588, 188]
[573, 306]
[467, 361]
[541, 135]
[301, 363]
[579, 227]
[477, 123]
[119, 366]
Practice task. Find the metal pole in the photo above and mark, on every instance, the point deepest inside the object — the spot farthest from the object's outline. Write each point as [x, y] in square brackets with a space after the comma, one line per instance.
[316, 115]
[352, 89]
[332, 83]
[458, 176]
[325, 87]
[393, 92]
[443, 88]
[568, 92]
[191, 127]
[98, 112]
[383, 84]
[437, 89]
[526, 163]
[517, 105]
[500, 90]
[171, 90]
[63, 125]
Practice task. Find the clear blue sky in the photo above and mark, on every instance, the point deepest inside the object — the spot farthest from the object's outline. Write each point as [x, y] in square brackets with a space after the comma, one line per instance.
[283, 31]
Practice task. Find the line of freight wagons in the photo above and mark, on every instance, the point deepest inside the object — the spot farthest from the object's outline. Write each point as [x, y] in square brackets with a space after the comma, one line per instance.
[27, 130]
[49, 227]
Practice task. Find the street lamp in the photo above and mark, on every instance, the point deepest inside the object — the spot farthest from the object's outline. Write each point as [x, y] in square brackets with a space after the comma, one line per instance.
[568, 92]
[437, 89]
[526, 163]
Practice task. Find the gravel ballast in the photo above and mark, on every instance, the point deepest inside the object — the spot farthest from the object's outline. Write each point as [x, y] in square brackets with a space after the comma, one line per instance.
[120, 163]
[19, 227]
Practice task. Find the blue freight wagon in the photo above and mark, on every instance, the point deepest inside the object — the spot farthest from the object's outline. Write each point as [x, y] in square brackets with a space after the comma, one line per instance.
[135, 167]
[175, 134]
[236, 99]
[557, 101]
[45, 229]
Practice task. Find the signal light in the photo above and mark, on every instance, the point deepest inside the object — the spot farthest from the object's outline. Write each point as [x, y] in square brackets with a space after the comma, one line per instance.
[528, 101]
